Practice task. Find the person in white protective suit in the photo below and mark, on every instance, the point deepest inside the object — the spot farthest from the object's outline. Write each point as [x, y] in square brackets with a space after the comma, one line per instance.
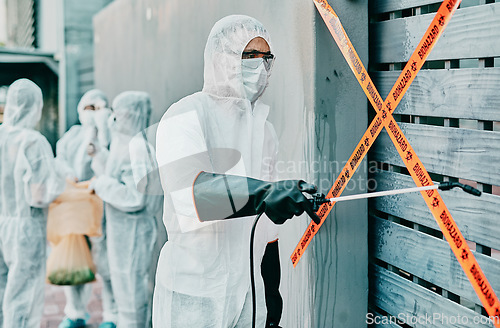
[130, 212]
[215, 148]
[29, 182]
[76, 149]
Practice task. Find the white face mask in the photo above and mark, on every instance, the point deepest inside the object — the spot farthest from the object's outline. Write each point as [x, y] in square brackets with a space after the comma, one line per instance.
[87, 118]
[255, 77]
[102, 115]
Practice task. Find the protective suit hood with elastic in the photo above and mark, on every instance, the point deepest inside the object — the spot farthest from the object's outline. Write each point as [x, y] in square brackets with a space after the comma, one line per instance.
[132, 110]
[225, 44]
[24, 104]
[91, 97]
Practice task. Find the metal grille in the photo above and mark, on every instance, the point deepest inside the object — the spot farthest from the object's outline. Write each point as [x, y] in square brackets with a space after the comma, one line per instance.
[21, 23]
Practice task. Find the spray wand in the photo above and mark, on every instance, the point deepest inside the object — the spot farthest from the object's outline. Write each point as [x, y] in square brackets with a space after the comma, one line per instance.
[318, 199]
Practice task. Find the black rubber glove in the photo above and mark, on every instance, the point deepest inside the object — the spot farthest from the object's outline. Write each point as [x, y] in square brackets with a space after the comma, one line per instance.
[221, 196]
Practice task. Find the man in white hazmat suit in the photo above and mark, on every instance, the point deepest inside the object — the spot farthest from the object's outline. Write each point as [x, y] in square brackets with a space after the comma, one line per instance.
[28, 184]
[214, 149]
[76, 149]
[130, 212]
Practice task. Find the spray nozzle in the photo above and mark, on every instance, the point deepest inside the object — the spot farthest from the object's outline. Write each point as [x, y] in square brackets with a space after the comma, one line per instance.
[468, 189]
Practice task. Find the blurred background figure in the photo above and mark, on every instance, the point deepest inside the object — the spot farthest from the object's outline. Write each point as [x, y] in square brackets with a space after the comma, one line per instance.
[75, 150]
[29, 182]
[130, 212]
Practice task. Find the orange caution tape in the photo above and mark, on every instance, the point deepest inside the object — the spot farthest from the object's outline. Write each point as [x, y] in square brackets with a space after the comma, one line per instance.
[384, 109]
[415, 167]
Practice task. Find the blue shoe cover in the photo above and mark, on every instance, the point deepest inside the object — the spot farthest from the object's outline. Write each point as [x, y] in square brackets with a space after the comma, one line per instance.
[68, 323]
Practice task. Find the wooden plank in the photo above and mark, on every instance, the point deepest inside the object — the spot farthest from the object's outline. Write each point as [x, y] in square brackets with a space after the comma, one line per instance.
[415, 303]
[384, 6]
[473, 32]
[476, 217]
[378, 321]
[461, 153]
[427, 257]
[457, 93]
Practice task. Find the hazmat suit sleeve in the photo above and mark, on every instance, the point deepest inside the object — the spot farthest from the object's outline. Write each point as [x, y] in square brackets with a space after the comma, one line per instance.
[142, 161]
[43, 183]
[101, 142]
[63, 153]
[145, 171]
[182, 153]
[139, 157]
[123, 194]
[99, 161]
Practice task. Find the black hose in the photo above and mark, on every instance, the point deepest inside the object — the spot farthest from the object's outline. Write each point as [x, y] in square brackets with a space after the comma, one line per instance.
[317, 202]
[252, 273]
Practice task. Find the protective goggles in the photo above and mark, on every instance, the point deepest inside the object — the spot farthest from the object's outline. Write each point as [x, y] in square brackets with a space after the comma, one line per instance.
[93, 107]
[266, 56]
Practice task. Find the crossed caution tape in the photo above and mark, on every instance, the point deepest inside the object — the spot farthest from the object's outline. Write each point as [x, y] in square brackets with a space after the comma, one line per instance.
[417, 170]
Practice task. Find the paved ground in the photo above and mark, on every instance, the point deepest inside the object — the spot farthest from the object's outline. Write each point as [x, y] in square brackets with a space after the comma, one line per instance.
[53, 311]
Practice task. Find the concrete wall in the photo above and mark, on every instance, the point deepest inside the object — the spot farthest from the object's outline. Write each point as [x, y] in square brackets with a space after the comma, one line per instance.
[340, 249]
[318, 111]
[48, 28]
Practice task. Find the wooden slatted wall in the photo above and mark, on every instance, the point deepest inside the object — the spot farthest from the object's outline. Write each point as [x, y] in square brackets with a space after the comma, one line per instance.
[451, 117]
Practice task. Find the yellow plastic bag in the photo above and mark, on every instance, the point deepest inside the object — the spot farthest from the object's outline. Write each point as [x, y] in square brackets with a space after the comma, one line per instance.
[70, 262]
[76, 211]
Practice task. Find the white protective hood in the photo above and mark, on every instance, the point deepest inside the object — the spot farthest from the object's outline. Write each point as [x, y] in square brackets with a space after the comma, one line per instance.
[132, 110]
[92, 97]
[228, 38]
[24, 104]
